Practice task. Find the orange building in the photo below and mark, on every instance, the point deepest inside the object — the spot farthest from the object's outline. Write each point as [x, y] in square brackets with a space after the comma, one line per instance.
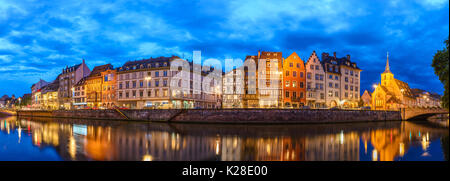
[294, 82]
[109, 78]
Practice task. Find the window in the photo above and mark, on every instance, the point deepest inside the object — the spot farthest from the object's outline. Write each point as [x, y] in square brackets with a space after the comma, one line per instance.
[336, 85]
[331, 77]
[287, 83]
[308, 75]
[321, 77]
[336, 94]
[287, 94]
[294, 83]
[336, 77]
[346, 79]
[351, 88]
[291, 64]
[156, 83]
[330, 93]
[301, 74]
[346, 87]
[120, 94]
[120, 85]
[149, 93]
[149, 84]
[127, 84]
[317, 76]
[312, 67]
[134, 94]
[141, 84]
[356, 88]
[322, 96]
[294, 73]
[330, 85]
[127, 94]
[287, 73]
[134, 84]
[156, 93]
[165, 83]
[165, 73]
[317, 67]
[298, 65]
[301, 84]
[141, 93]
[156, 74]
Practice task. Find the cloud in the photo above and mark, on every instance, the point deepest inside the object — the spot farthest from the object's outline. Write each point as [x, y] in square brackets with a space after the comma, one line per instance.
[38, 38]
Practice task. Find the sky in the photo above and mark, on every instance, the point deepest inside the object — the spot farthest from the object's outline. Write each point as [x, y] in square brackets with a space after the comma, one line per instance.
[39, 38]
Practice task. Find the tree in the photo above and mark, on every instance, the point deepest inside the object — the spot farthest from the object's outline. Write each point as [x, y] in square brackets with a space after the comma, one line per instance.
[440, 65]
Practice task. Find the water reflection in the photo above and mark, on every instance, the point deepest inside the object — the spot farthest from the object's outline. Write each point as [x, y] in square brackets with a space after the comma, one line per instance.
[106, 140]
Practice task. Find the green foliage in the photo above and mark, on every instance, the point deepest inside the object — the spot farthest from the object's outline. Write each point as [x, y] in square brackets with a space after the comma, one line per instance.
[440, 65]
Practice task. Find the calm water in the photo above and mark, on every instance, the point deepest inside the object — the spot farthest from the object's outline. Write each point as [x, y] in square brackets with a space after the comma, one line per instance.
[65, 139]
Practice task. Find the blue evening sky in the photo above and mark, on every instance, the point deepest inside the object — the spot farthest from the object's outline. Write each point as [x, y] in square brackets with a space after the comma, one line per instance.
[39, 38]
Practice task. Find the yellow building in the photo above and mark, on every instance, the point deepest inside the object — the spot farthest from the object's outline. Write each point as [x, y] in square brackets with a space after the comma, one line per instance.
[49, 96]
[391, 94]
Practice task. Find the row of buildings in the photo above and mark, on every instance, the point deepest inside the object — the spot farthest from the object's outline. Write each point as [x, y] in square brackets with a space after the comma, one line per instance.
[393, 94]
[137, 84]
[279, 83]
[293, 83]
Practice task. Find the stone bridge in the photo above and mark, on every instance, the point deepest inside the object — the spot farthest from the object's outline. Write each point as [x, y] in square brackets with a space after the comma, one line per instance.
[421, 113]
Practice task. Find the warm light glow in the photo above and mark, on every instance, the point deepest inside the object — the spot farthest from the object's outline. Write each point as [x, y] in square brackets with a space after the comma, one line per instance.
[402, 149]
[375, 155]
[148, 78]
[375, 86]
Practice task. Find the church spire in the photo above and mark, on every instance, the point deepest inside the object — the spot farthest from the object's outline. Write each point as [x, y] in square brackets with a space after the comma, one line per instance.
[387, 69]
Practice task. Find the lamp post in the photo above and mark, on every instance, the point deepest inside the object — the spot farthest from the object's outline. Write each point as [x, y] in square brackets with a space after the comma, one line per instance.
[375, 97]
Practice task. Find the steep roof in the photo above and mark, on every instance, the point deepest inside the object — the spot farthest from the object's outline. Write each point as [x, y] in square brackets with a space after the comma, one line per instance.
[81, 82]
[146, 63]
[405, 87]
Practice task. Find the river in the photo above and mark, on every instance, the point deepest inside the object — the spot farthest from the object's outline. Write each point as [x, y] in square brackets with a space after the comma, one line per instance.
[45, 139]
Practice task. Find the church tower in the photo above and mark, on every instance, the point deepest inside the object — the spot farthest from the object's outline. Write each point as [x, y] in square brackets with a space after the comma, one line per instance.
[387, 76]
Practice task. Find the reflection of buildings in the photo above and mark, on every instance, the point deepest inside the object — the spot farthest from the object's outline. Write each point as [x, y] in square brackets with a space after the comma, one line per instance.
[234, 148]
[74, 140]
[333, 147]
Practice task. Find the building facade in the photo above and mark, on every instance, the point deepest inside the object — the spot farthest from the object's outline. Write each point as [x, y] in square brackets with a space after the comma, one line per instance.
[350, 83]
[109, 81]
[426, 99]
[68, 78]
[294, 82]
[146, 84]
[367, 98]
[49, 94]
[94, 86]
[315, 82]
[35, 93]
[332, 80]
[79, 96]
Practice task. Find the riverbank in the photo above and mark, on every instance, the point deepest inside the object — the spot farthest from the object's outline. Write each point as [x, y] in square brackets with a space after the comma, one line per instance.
[225, 116]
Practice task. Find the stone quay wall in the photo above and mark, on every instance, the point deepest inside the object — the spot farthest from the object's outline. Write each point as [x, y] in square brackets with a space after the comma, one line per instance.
[236, 116]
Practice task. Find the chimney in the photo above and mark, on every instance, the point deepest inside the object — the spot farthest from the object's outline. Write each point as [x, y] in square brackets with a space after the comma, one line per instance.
[334, 54]
[83, 61]
[348, 57]
[259, 54]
